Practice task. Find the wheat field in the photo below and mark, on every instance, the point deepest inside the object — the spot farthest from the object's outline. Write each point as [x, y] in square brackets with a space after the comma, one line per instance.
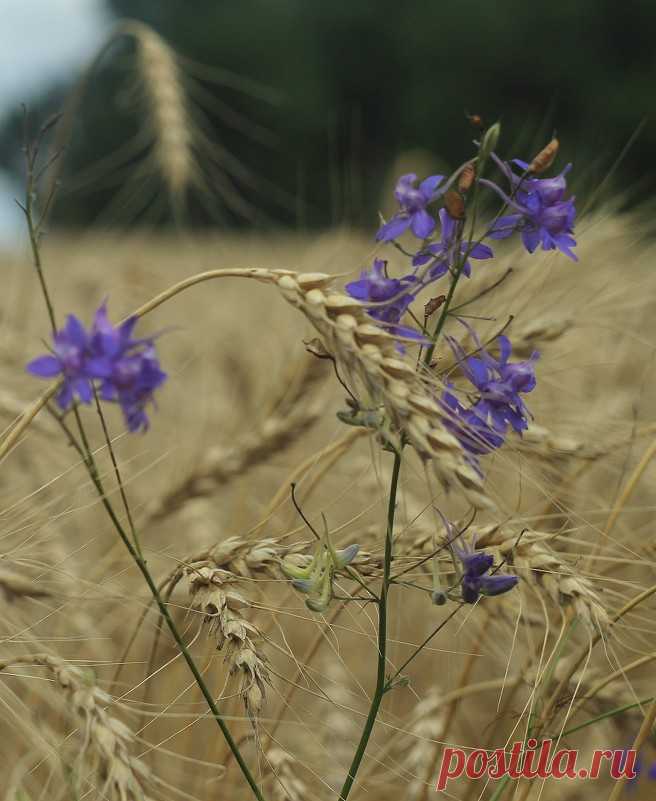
[95, 699]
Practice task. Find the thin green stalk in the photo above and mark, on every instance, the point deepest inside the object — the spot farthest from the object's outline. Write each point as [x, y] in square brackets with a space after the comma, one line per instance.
[381, 684]
[28, 210]
[421, 647]
[617, 711]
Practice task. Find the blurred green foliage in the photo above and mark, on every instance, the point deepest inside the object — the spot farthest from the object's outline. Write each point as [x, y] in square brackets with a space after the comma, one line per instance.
[359, 82]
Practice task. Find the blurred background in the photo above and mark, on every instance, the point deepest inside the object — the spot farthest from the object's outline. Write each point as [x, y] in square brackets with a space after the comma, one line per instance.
[295, 114]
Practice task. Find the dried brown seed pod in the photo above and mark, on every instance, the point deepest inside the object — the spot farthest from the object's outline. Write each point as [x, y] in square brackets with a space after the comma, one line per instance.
[466, 178]
[545, 157]
[455, 204]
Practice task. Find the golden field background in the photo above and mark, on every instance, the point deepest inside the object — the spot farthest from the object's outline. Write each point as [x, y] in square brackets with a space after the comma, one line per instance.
[245, 402]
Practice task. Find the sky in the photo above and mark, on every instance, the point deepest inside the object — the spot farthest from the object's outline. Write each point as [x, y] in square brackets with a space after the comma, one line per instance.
[41, 41]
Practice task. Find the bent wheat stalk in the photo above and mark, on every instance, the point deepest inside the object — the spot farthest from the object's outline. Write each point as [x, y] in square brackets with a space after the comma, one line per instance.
[366, 355]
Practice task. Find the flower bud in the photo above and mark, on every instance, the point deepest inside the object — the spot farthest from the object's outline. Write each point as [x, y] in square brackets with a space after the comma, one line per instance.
[475, 119]
[545, 157]
[438, 598]
[346, 556]
[488, 144]
[295, 571]
[321, 602]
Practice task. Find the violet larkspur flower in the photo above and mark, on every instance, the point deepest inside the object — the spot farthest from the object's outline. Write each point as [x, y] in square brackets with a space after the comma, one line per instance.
[499, 383]
[472, 430]
[375, 286]
[125, 370]
[413, 201]
[475, 580]
[445, 253]
[540, 212]
[69, 360]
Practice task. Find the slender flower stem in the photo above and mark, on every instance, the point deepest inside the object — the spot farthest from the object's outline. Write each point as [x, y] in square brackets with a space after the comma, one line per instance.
[28, 209]
[381, 683]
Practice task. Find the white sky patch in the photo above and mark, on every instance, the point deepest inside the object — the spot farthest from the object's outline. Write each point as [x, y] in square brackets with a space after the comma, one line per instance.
[41, 41]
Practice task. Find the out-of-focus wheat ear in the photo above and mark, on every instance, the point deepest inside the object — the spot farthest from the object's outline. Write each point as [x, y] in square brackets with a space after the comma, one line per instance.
[106, 741]
[170, 124]
[425, 726]
[287, 784]
[14, 586]
[294, 415]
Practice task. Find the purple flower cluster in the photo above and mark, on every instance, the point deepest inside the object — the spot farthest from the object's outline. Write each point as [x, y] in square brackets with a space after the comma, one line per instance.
[499, 385]
[123, 369]
[540, 211]
[443, 254]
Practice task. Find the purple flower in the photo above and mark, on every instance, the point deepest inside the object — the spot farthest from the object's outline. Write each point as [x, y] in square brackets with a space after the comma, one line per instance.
[374, 285]
[470, 427]
[413, 201]
[125, 370]
[475, 580]
[131, 381]
[394, 294]
[499, 383]
[69, 359]
[540, 212]
[445, 253]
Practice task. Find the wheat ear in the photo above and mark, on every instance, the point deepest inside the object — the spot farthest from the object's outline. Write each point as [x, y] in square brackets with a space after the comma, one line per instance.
[106, 741]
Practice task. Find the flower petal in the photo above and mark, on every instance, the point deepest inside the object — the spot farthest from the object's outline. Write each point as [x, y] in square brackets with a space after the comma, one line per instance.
[481, 251]
[393, 229]
[422, 224]
[44, 367]
[428, 186]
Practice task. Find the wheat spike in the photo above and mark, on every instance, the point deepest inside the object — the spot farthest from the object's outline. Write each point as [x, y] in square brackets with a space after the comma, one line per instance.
[368, 359]
[213, 592]
[170, 124]
[287, 785]
[531, 555]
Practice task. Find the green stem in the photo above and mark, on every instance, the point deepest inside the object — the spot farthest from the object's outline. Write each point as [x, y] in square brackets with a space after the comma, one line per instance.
[381, 684]
[617, 711]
